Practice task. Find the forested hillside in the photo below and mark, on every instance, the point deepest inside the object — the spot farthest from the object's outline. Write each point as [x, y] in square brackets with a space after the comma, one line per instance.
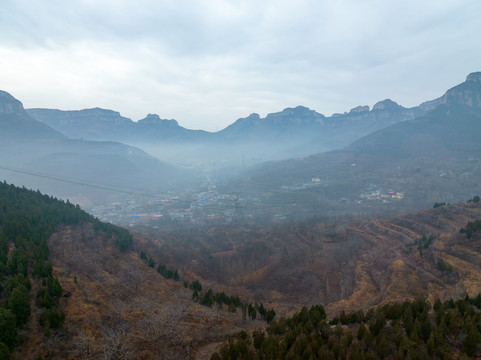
[70, 287]
[27, 284]
[408, 330]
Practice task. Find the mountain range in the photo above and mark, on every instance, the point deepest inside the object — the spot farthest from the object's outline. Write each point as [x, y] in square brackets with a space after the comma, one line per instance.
[290, 133]
[114, 298]
[434, 157]
[385, 144]
[293, 132]
[35, 155]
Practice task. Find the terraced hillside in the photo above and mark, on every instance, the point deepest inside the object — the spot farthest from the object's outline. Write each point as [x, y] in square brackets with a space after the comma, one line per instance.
[342, 265]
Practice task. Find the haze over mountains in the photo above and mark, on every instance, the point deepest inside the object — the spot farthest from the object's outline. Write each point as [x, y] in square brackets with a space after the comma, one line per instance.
[408, 159]
[293, 132]
[37, 156]
[421, 151]
[435, 157]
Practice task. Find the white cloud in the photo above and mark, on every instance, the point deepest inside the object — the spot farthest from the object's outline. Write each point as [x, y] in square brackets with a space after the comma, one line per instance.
[208, 63]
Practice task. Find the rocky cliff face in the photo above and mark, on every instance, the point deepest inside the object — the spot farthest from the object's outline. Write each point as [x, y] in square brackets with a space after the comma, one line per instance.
[467, 93]
[359, 109]
[16, 124]
[9, 105]
[292, 132]
[92, 124]
[387, 104]
[155, 121]
[103, 124]
[474, 77]
[298, 117]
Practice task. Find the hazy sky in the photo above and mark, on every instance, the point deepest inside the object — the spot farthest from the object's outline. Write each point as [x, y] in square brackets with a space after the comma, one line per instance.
[207, 63]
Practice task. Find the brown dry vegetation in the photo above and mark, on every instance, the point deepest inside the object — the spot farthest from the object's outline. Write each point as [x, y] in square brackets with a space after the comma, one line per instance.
[120, 308]
[342, 265]
[118, 303]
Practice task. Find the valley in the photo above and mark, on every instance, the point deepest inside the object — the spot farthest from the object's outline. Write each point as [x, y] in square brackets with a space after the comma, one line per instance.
[116, 299]
[240, 180]
[371, 210]
[116, 305]
[336, 263]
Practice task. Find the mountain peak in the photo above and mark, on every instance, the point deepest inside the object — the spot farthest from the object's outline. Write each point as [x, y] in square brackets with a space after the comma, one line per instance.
[96, 111]
[467, 93]
[154, 119]
[8, 104]
[386, 104]
[299, 111]
[16, 124]
[359, 109]
[474, 77]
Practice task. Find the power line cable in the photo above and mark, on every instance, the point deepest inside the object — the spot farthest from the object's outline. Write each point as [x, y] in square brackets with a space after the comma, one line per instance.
[76, 182]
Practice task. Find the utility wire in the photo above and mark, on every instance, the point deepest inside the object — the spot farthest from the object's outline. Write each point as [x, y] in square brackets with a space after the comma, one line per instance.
[75, 182]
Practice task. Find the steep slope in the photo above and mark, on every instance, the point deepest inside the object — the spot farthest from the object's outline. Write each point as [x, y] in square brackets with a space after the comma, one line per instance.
[16, 123]
[73, 288]
[117, 299]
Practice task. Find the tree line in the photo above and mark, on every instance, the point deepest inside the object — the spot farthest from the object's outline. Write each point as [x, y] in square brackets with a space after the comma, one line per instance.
[161, 268]
[408, 330]
[209, 299]
[422, 243]
[27, 219]
[470, 228]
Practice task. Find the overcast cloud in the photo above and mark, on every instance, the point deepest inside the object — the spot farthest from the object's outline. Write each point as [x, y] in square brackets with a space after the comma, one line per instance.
[207, 63]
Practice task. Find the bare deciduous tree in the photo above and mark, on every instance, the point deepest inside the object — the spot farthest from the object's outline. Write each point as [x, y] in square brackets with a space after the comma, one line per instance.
[84, 346]
[117, 344]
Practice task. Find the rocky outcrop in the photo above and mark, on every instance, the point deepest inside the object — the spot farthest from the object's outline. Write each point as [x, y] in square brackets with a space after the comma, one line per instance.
[299, 115]
[359, 109]
[155, 120]
[467, 93]
[387, 104]
[16, 124]
[474, 77]
[91, 124]
[9, 105]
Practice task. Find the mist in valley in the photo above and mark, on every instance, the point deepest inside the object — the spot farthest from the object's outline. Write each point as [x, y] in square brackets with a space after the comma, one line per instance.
[227, 180]
[292, 165]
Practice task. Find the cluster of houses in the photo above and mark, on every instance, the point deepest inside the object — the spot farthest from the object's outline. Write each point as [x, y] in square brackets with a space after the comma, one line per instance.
[315, 181]
[207, 208]
[381, 195]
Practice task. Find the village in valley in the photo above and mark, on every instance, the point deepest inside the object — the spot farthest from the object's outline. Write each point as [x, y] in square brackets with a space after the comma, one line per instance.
[207, 206]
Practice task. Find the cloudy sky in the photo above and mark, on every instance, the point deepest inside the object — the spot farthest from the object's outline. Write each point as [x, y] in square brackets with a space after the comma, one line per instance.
[207, 63]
